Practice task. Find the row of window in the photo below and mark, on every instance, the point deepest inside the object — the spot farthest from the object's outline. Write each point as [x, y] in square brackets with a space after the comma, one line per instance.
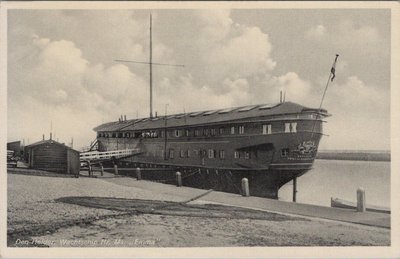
[211, 154]
[290, 127]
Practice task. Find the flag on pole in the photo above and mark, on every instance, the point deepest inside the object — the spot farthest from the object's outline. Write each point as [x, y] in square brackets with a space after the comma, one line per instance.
[333, 69]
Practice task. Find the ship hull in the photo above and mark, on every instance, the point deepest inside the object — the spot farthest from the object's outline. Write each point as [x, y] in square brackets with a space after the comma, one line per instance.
[216, 151]
[262, 183]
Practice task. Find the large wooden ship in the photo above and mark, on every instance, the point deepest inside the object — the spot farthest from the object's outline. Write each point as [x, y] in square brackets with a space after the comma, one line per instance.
[269, 144]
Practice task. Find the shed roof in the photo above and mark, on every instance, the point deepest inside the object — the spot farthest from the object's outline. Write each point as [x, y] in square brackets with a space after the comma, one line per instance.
[50, 141]
[208, 116]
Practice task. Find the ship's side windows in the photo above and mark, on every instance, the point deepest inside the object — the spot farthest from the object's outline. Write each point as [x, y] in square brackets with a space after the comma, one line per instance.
[267, 129]
[287, 127]
[205, 132]
[188, 153]
[182, 153]
[221, 131]
[196, 132]
[171, 153]
[236, 154]
[233, 130]
[241, 129]
[222, 154]
[162, 133]
[293, 126]
[178, 133]
[284, 152]
[247, 155]
[187, 132]
[211, 153]
[213, 132]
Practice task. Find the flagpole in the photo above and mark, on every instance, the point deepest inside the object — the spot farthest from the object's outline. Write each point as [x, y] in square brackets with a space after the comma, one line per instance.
[330, 79]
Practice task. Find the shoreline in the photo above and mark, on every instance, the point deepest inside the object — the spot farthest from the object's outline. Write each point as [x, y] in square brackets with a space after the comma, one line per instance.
[106, 215]
[376, 156]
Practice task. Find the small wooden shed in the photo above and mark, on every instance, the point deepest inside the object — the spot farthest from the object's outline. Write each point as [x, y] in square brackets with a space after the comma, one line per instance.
[52, 156]
[15, 146]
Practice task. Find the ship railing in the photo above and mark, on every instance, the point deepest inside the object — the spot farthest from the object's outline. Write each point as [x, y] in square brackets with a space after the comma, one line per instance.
[102, 155]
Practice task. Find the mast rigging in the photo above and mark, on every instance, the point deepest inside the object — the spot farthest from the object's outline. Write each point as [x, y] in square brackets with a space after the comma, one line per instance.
[150, 63]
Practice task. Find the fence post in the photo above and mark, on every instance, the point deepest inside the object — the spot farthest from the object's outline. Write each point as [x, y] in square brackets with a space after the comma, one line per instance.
[138, 174]
[361, 200]
[178, 179]
[245, 187]
[115, 169]
[102, 169]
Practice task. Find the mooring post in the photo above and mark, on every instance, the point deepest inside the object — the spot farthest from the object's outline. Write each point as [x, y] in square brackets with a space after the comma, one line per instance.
[102, 169]
[178, 179]
[138, 174]
[294, 189]
[361, 200]
[89, 169]
[116, 169]
[245, 187]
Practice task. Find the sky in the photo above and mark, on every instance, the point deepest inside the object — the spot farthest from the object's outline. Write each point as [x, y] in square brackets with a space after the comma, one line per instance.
[62, 73]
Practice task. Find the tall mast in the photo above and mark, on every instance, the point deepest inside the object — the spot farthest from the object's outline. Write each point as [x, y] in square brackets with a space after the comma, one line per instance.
[151, 71]
[150, 63]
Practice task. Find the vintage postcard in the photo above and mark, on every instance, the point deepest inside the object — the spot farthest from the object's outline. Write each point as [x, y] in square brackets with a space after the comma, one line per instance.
[200, 129]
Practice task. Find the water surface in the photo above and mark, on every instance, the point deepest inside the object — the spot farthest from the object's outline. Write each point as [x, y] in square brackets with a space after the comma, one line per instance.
[340, 179]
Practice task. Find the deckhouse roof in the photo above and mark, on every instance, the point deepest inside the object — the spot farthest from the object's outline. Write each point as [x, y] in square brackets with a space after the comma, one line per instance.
[208, 116]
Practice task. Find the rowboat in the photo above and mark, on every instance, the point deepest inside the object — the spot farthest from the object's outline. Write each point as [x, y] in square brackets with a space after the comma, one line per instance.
[339, 203]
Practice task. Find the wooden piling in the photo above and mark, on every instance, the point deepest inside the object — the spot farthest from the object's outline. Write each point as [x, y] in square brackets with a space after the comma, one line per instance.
[294, 189]
[245, 187]
[361, 200]
[178, 179]
[138, 174]
[116, 169]
[101, 169]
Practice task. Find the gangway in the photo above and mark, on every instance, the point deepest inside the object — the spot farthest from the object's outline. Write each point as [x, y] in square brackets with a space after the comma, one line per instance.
[98, 156]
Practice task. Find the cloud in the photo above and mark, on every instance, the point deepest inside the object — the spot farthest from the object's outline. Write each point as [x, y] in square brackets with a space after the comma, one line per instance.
[64, 72]
[346, 35]
[245, 55]
[214, 25]
[361, 116]
[317, 32]
[231, 50]
[60, 85]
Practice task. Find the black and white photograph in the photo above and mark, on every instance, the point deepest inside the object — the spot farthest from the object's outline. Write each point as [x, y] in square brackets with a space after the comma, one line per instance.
[203, 125]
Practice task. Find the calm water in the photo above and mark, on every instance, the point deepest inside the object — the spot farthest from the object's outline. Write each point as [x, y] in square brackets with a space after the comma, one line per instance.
[340, 179]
